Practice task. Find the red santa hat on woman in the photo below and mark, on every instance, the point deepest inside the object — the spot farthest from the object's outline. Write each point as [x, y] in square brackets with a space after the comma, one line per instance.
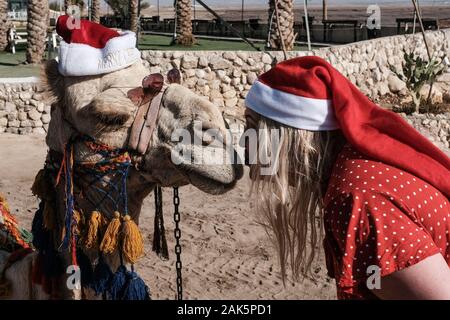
[308, 93]
[89, 48]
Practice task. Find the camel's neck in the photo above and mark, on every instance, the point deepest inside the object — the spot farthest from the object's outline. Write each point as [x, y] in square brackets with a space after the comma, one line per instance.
[104, 182]
[107, 196]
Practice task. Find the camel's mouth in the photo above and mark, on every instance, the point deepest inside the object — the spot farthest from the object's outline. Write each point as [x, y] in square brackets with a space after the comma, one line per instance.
[172, 171]
[212, 183]
[211, 175]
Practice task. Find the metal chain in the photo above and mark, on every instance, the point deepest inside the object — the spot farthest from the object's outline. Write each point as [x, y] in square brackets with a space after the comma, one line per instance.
[177, 232]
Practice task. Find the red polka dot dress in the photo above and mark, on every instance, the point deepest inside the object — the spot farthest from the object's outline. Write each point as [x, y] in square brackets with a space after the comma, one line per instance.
[378, 215]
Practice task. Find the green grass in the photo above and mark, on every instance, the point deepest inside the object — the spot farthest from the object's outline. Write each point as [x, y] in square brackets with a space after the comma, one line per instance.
[12, 65]
[159, 42]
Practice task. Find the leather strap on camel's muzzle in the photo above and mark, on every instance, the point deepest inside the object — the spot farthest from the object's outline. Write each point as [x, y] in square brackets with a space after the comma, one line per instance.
[148, 99]
[144, 124]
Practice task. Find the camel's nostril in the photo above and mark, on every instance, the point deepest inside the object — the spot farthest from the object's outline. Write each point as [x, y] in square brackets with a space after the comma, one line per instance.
[238, 171]
[207, 139]
[212, 137]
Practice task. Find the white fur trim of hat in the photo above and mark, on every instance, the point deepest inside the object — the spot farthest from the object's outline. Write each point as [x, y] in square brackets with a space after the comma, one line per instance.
[78, 59]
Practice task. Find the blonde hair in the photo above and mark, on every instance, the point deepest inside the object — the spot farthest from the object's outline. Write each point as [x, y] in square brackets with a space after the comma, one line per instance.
[289, 201]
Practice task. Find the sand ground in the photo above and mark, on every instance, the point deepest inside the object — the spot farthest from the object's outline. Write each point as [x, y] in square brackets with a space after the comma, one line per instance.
[226, 254]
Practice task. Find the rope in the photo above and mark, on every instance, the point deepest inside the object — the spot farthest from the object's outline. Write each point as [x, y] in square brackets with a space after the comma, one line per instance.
[67, 166]
[115, 162]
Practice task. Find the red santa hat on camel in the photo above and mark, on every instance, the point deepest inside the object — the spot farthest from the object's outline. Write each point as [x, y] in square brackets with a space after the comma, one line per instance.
[308, 93]
[89, 48]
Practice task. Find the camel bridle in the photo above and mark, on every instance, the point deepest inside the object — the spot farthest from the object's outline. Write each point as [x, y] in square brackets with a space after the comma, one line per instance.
[148, 98]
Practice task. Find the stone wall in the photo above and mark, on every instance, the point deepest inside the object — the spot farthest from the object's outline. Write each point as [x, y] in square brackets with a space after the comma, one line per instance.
[23, 109]
[225, 77]
[436, 127]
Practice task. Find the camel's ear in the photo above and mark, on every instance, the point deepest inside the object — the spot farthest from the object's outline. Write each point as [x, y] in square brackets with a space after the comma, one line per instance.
[153, 83]
[136, 95]
[174, 76]
[52, 80]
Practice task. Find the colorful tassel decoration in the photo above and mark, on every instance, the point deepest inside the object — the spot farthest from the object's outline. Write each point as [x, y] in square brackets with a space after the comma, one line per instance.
[127, 285]
[132, 242]
[49, 265]
[78, 218]
[12, 236]
[26, 235]
[117, 284]
[111, 237]
[121, 233]
[136, 289]
[93, 227]
[101, 277]
[4, 203]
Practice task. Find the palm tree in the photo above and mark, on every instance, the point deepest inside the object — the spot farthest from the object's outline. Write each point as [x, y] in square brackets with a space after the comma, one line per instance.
[281, 21]
[95, 11]
[3, 24]
[37, 22]
[183, 9]
[133, 15]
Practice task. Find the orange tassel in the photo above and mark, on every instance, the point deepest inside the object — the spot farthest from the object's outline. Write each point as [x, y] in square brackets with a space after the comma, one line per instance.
[103, 223]
[91, 237]
[132, 242]
[79, 221]
[111, 237]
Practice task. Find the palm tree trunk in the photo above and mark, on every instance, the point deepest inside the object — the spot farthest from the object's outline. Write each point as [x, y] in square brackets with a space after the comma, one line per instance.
[324, 10]
[95, 11]
[37, 23]
[3, 24]
[133, 15]
[183, 11]
[282, 26]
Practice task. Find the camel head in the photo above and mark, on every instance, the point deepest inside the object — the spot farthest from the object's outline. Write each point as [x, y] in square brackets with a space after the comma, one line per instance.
[102, 108]
[98, 106]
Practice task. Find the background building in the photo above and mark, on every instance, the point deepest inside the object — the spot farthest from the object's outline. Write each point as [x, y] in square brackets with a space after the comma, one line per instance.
[17, 5]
